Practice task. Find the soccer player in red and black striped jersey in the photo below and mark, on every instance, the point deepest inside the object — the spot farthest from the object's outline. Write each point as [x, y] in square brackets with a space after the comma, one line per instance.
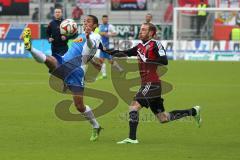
[150, 54]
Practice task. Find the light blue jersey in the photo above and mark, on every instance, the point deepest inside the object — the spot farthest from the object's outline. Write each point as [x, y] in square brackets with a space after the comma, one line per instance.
[108, 28]
[76, 48]
[72, 65]
[105, 40]
[79, 48]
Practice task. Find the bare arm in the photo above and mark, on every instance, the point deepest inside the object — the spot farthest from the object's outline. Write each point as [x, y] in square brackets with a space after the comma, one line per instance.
[96, 64]
[111, 33]
[89, 42]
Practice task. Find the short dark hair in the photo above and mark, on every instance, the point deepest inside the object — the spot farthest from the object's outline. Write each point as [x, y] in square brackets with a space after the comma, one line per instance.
[152, 27]
[58, 8]
[105, 16]
[149, 14]
[95, 19]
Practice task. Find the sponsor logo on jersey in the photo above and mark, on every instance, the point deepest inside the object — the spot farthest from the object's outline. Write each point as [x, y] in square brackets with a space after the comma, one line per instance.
[78, 40]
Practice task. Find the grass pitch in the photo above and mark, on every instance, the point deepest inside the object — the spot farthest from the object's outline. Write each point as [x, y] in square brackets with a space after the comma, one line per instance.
[29, 128]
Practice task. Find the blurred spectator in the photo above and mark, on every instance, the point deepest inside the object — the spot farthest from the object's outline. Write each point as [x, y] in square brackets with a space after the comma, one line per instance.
[148, 18]
[77, 13]
[201, 15]
[167, 33]
[58, 42]
[216, 44]
[235, 36]
[238, 19]
[131, 32]
[50, 14]
[168, 18]
[35, 16]
[235, 33]
[168, 15]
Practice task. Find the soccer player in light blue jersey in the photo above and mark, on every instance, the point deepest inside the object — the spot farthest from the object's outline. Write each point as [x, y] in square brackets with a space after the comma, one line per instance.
[107, 31]
[71, 67]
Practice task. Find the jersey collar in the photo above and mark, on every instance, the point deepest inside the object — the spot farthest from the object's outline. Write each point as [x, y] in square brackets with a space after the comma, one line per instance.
[144, 44]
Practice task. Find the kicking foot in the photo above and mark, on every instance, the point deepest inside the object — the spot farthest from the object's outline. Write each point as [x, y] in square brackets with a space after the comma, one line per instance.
[27, 38]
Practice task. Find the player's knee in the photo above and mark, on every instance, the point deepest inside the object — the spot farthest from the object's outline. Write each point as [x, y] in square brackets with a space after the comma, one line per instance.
[132, 108]
[51, 59]
[163, 120]
[135, 106]
[163, 117]
[51, 63]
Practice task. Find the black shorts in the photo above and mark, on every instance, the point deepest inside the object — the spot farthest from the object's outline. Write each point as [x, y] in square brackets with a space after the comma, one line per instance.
[149, 95]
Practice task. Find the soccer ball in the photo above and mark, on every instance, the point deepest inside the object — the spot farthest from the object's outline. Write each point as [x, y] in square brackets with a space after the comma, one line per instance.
[68, 27]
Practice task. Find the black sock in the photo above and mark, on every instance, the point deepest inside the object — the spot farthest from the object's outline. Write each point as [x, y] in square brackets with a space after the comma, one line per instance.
[133, 123]
[177, 114]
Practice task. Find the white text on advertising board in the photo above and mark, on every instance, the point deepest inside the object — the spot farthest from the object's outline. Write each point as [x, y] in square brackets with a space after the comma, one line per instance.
[11, 48]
